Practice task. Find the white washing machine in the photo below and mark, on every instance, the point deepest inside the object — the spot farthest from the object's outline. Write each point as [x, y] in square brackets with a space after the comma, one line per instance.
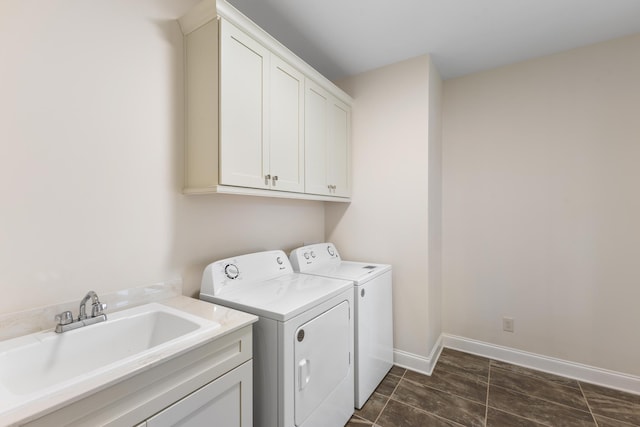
[302, 342]
[373, 310]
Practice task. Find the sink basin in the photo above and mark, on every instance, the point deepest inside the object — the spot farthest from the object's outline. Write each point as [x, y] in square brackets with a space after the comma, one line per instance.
[45, 362]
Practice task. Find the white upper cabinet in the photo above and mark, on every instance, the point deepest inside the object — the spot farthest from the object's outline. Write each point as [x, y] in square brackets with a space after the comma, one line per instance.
[246, 100]
[327, 143]
[244, 69]
[261, 115]
[316, 135]
[286, 130]
[339, 148]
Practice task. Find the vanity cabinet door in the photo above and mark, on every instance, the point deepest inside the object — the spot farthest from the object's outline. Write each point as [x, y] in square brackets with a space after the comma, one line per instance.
[227, 401]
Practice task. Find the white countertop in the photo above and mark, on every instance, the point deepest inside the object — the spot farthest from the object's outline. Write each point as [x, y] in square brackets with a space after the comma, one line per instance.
[228, 319]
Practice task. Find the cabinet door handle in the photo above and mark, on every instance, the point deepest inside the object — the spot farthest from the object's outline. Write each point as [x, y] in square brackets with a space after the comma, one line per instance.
[266, 179]
[274, 180]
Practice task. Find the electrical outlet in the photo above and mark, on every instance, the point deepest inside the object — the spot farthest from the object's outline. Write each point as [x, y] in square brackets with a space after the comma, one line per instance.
[507, 324]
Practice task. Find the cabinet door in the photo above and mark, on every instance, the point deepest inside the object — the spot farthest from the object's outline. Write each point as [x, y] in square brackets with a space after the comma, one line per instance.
[316, 122]
[339, 149]
[226, 401]
[244, 68]
[327, 143]
[286, 124]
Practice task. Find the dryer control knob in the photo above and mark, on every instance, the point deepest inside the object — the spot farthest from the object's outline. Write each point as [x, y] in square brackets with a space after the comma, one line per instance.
[279, 260]
[331, 251]
[313, 254]
[231, 270]
[362, 293]
[300, 335]
[306, 255]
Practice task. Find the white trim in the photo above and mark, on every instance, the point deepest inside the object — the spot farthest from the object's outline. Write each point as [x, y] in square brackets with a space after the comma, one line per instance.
[416, 362]
[246, 191]
[578, 371]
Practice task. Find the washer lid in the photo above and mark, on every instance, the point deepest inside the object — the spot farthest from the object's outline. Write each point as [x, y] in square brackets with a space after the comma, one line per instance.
[359, 272]
[281, 298]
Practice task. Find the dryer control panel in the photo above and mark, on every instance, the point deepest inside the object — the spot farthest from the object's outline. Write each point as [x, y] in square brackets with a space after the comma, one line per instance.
[223, 275]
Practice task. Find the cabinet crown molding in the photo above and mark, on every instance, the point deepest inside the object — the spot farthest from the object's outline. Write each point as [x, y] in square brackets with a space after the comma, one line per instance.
[199, 15]
[232, 14]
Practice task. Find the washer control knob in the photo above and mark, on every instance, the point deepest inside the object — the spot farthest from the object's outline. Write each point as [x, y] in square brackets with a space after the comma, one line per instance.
[306, 255]
[362, 293]
[231, 270]
[279, 260]
[300, 335]
[331, 251]
[313, 254]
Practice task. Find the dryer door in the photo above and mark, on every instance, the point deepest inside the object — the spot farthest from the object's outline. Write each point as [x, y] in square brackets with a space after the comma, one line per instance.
[322, 359]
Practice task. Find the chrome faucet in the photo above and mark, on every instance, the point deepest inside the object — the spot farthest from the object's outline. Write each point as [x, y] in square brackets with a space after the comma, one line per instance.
[65, 319]
[96, 306]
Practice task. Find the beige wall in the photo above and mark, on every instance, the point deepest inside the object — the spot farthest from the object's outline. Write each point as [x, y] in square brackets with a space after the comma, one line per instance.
[540, 180]
[387, 220]
[91, 132]
[541, 206]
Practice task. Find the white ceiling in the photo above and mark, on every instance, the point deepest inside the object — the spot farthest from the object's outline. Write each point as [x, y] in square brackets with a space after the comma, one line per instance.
[345, 37]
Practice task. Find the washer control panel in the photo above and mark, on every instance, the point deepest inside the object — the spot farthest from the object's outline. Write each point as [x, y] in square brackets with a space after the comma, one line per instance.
[310, 256]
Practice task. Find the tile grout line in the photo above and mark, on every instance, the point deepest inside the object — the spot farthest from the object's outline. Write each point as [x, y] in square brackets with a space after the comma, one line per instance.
[544, 400]
[375, 423]
[425, 412]
[486, 404]
[588, 405]
[444, 390]
[526, 417]
[534, 397]
[389, 398]
[415, 407]
[537, 378]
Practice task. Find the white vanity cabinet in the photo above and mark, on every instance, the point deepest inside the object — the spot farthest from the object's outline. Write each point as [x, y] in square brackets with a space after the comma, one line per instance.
[225, 402]
[261, 115]
[327, 143]
[246, 112]
[212, 381]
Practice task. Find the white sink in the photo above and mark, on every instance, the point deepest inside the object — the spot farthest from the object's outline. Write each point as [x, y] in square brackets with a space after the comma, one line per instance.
[34, 365]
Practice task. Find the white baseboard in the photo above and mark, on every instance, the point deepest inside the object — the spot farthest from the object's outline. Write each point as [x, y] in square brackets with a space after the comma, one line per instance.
[418, 363]
[578, 371]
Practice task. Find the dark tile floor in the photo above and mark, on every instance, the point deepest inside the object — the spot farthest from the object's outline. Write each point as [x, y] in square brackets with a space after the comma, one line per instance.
[469, 390]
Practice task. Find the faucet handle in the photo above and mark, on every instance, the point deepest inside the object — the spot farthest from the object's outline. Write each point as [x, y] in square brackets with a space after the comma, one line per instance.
[64, 318]
[97, 309]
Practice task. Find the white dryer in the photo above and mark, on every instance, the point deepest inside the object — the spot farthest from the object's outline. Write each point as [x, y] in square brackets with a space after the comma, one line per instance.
[373, 310]
[302, 342]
